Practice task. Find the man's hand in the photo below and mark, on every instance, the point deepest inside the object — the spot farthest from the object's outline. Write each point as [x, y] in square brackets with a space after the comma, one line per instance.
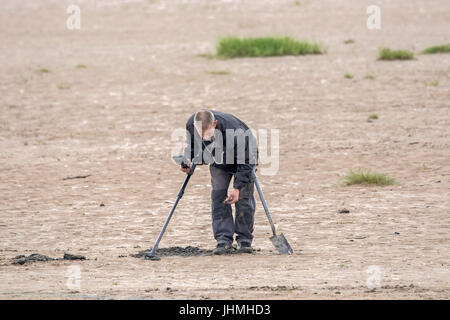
[233, 197]
[185, 170]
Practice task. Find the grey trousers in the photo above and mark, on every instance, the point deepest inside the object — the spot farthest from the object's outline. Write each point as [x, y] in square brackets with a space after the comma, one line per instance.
[224, 227]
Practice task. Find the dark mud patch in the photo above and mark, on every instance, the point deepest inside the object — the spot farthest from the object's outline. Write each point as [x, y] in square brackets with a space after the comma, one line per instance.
[36, 257]
[77, 177]
[189, 251]
[68, 256]
[273, 288]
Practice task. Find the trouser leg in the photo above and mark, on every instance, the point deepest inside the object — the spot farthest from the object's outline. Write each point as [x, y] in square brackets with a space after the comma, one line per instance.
[245, 213]
[222, 218]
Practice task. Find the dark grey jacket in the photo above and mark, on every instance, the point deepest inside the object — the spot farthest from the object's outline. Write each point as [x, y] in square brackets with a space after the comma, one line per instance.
[238, 158]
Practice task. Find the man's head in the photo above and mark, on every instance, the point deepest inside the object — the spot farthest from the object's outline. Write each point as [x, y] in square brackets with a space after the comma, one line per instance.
[205, 124]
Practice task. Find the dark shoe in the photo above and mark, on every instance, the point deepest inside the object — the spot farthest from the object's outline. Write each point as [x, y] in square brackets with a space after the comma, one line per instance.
[245, 247]
[222, 248]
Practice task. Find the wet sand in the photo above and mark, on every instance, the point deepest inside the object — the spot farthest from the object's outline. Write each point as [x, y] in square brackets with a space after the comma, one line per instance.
[111, 123]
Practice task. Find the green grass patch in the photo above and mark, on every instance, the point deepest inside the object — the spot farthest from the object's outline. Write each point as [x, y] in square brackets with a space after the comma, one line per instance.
[373, 116]
[219, 72]
[388, 54]
[43, 70]
[232, 47]
[422, 167]
[208, 56]
[209, 7]
[369, 75]
[349, 41]
[80, 66]
[433, 83]
[437, 49]
[63, 86]
[368, 178]
[348, 76]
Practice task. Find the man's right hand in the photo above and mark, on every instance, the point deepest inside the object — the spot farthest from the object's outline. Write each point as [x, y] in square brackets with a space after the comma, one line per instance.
[185, 170]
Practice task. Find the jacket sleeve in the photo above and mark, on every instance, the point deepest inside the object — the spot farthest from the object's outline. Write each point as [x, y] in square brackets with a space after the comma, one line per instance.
[189, 149]
[193, 144]
[244, 172]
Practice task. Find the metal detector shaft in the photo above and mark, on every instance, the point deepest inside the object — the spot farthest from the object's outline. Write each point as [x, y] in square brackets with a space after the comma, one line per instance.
[266, 208]
[179, 196]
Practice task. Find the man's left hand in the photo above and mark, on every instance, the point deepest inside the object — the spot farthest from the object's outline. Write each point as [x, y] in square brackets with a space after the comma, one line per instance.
[233, 197]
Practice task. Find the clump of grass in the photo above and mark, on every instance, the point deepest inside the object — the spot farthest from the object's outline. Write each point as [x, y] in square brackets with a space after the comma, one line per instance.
[368, 178]
[433, 83]
[231, 47]
[298, 3]
[209, 7]
[349, 41]
[63, 86]
[437, 49]
[422, 167]
[388, 54]
[373, 116]
[369, 75]
[219, 72]
[43, 70]
[208, 56]
[348, 76]
[81, 66]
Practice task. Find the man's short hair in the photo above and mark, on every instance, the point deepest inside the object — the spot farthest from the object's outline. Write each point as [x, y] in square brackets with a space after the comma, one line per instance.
[206, 117]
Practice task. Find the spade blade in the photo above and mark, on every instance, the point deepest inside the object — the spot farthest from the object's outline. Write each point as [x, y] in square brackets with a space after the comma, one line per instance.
[281, 244]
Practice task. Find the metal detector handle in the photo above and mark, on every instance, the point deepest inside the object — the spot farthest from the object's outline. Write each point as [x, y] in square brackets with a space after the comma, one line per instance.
[261, 196]
[188, 176]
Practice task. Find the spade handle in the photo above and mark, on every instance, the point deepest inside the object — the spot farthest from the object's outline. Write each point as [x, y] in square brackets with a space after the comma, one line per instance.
[266, 208]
